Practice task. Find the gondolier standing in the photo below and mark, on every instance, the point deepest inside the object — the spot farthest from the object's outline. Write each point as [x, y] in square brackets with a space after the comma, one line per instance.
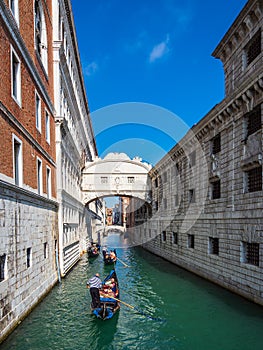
[94, 284]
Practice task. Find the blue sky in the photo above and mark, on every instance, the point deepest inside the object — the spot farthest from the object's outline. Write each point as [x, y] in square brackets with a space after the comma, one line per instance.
[148, 68]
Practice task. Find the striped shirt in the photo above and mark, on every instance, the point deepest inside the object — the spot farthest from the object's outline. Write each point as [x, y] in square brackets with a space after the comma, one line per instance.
[94, 282]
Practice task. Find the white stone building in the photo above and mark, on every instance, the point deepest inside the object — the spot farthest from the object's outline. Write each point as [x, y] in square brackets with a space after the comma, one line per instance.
[207, 191]
[74, 139]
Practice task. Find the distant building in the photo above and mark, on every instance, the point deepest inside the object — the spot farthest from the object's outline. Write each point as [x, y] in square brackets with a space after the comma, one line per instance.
[109, 212]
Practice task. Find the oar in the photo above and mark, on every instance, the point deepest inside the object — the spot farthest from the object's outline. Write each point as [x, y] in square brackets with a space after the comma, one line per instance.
[122, 262]
[134, 308]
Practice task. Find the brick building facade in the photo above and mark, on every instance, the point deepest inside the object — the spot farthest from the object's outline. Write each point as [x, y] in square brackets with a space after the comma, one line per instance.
[28, 207]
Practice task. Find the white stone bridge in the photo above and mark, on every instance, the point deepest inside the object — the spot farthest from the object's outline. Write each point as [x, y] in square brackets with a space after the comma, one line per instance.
[116, 175]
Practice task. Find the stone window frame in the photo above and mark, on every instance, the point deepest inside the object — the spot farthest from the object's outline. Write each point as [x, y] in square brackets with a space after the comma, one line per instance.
[14, 8]
[29, 257]
[213, 245]
[17, 160]
[15, 76]
[215, 144]
[191, 241]
[48, 182]
[3, 267]
[175, 237]
[253, 174]
[39, 176]
[38, 111]
[252, 122]
[215, 192]
[252, 49]
[250, 253]
[41, 44]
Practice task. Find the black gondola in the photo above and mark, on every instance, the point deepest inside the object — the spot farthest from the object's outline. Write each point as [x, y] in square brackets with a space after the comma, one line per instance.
[108, 295]
[108, 259]
[94, 250]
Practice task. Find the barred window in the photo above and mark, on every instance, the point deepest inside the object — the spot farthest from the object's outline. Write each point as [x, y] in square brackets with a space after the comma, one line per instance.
[2, 266]
[254, 179]
[250, 253]
[213, 245]
[253, 120]
[131, 179]
[191, 241]
[216, 144]
[104, 179]
[175, 238]
[191, 196]
[253, 49]
[216, 191]
[192, 159]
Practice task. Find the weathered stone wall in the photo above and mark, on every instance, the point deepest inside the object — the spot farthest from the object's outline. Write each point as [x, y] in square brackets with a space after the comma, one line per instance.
[27, 221]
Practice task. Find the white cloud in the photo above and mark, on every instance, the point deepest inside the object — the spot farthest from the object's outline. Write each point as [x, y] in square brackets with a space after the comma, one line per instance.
[160, 50]
[91, 68]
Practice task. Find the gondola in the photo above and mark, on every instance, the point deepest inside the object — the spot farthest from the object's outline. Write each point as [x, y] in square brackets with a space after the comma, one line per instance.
[108, 303]
[108, 260]
[94, 250]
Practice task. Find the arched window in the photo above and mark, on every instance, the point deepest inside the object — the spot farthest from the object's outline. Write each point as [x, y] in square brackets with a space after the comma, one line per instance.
[41, 33]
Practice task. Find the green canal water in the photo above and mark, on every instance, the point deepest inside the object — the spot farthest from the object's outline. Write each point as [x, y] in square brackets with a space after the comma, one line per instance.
[195, 314]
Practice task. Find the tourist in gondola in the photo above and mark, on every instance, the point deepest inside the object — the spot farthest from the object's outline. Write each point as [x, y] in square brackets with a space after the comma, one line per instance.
[94, 284]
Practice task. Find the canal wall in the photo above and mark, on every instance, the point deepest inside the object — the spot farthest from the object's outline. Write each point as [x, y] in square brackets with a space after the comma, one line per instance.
[28, 231]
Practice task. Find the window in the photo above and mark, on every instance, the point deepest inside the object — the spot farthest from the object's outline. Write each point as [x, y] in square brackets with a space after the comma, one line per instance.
[13, 4]
[131, 179]
[156, 182]
[39, 176]
[104, 179]
[2, 267]
[191, 196]
[192, 159]
[16, 77]
[28, 257]
[191, 241]
[40, 33]
[156, 205]
[216, 144]
[164, 236]
[250, 253]
[253, 121]
[17, 161]
[165, 203]
[165, 176]
[48, 182]
[175, 238]
[38, 112]
[216, 193]
[176, 200]
[254, 179]
[213, 246]
[47, 127]
[177, 169]
[253, 48]
[45, 250]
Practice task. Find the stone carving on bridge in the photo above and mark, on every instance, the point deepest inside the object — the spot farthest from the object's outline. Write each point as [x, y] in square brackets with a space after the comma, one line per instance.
[116, 175]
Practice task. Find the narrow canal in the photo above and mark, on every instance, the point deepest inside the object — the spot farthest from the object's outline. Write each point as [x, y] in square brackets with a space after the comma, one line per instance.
[194, 313]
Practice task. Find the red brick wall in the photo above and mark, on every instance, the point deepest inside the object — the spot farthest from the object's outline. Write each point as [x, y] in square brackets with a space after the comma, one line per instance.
[25, 114]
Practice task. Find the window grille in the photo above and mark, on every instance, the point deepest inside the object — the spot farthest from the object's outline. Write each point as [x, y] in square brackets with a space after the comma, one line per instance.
[216, 193]
[216, 144]
[253, 120]
[175, 238]
[252, 254]
[131, 179]
[254, 179]
[213, 245]
[254, 47]
[191, 241]
[104, 180]
[2, 267]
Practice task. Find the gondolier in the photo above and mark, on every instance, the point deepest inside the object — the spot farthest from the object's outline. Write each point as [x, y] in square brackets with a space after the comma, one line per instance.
[94, 284]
